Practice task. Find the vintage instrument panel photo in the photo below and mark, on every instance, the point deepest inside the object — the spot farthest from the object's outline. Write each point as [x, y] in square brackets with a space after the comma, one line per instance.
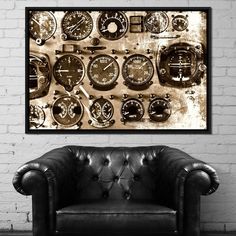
[117, 69]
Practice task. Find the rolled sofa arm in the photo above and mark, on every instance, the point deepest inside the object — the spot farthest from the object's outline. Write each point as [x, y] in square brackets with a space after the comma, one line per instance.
[182, 177]
[58, 168]
[50, 180]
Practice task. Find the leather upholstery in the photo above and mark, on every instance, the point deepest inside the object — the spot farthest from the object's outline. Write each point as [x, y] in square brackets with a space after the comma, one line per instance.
[104, 176]
[116, 216]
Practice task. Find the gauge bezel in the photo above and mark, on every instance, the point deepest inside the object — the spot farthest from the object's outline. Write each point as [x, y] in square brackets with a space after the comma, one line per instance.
[105, 101]
[71, 36]
[180, 17]
[122, 35]
[130, 83]
[154, 117]
[43, 59]
[54, 25]
[77, 120]
[140, 104]
[41, 110]
[196, 50]
[66, 86]
[97, 85]
[150, 13]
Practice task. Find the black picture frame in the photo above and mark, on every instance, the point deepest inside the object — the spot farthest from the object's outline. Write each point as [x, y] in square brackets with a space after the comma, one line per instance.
[207, 59]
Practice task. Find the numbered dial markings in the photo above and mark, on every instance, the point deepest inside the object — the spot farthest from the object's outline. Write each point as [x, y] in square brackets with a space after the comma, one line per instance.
[180, 23]
[67, 111]
[68, 71]
[42, 25]
[137, 70]
[77, 25]
[112, 25]
[36, 116]
[159, 110]
[156, 22]
[103, 71]
[101, 110]
[132, 110]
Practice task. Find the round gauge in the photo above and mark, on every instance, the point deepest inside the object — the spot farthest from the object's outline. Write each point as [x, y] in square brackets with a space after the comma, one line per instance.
[77, 25]
[156, 22]
[42, 26]
[101, 110]
[112, 25]
[180, 23]
[39, 76]
[36, 116]
[132, 110]
[159, 110]
[103, 71]
[182, 64]
[179, 64]
[67, 110]
[68, 71]
[137, 70]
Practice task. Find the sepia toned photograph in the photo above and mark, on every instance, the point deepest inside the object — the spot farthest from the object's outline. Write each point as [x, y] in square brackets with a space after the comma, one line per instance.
[118, 69]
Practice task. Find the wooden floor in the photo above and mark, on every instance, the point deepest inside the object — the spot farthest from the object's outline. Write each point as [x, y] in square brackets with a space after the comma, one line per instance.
[30, 234]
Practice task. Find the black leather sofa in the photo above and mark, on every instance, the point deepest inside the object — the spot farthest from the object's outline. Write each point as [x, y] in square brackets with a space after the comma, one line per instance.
[151, 190]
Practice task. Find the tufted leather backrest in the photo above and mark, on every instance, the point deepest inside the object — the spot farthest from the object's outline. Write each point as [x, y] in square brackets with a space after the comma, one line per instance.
[116, 172]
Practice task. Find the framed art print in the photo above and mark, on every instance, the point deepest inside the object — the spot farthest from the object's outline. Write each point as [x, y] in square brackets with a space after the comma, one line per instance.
[138, 70]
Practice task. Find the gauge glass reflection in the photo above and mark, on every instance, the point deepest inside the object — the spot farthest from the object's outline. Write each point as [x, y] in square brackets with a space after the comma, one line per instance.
[42, 25]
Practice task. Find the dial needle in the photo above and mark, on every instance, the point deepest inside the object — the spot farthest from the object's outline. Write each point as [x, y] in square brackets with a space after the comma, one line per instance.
[62, 71]
[77, 25]
[142, 65]
[38, 23]
[108, 66]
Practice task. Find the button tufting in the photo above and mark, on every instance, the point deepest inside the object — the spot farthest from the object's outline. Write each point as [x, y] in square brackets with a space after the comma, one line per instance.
[126, 195]
[145, 161]
[126, 162]
[137, 177]
[116, 178]
[106, 162]
[95, 178]
[105, 194]
[86, 161]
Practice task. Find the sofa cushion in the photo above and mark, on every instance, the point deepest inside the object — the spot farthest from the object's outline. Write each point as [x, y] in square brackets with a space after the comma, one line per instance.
[116, 216]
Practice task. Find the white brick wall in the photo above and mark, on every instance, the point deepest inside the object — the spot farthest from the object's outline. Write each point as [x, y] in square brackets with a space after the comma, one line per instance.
[219, 149]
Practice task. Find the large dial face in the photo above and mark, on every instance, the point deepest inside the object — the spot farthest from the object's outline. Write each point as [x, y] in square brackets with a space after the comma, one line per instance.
[36, 116]
[101, 110]
[103, 71]
[42, 26]
[112, 25]
[159, 110]
[137, 70]
[182, 65]
[67, 111]
[77, 25]
[68, 71]
[180, 23]
[132, 110]
[156, 22]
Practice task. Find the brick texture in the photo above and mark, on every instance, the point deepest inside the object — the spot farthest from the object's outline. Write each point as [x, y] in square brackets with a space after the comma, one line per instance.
[219, 149]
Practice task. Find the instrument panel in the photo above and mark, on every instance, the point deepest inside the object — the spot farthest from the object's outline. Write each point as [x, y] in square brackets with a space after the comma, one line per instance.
[117, 69]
